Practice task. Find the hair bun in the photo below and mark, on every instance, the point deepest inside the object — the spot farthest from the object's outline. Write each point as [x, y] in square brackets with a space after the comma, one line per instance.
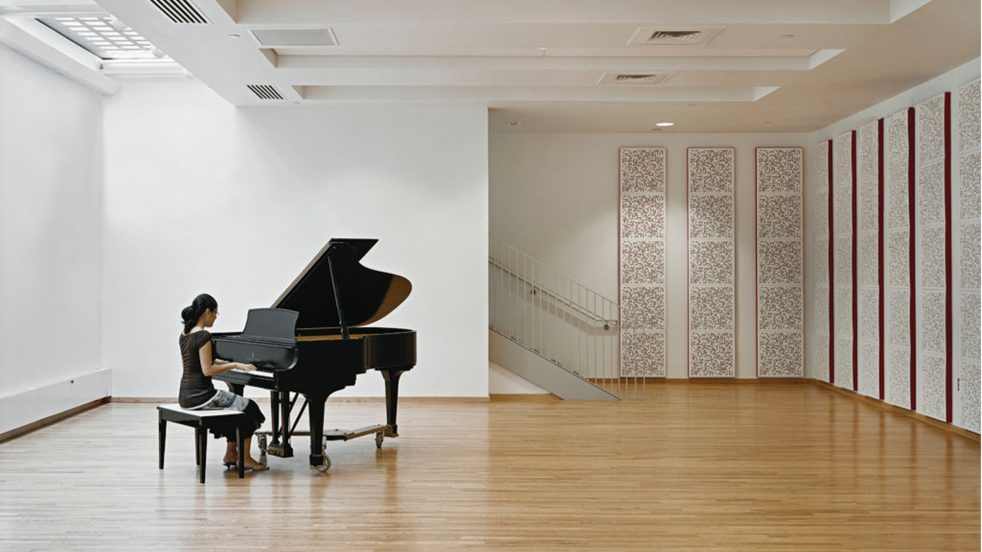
[186, 314]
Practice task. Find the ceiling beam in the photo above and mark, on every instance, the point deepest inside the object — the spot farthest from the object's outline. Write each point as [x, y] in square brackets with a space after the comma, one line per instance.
[490, 95]
[559, 63]
[641, 12]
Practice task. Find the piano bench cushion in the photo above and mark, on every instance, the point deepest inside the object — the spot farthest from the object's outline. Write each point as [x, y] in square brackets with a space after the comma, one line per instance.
[199, 413]
[221, 421]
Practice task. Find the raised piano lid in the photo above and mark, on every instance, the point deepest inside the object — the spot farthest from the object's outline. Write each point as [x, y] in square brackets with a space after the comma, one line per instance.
[366, 295]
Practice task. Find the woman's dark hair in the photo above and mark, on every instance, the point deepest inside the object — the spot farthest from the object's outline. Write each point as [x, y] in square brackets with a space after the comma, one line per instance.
[192, 313]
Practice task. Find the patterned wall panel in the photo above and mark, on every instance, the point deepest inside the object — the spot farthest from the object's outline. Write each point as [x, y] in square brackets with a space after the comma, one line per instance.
[896, 216]
[842, 246]
[867, 262]
[965, 209]
[819, 366]
[780, 338]
[930, 259]
[642, 261]
[712, 294]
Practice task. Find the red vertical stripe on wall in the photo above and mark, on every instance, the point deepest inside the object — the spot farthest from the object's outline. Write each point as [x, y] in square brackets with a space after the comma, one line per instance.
[880, 279]
[911, 198]
[831, 272]
[855, 290]
[756, 266]
[948, 305]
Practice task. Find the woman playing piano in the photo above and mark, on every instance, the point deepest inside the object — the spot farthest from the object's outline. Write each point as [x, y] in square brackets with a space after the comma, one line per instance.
[197, 392]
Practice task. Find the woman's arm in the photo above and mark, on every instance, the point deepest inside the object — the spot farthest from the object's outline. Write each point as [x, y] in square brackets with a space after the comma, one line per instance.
[218, 366]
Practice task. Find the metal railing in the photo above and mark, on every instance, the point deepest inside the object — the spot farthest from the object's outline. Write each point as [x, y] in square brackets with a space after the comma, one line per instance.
[553, 316]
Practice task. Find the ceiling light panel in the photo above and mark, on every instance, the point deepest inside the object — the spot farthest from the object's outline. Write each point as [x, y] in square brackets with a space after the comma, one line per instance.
[105, 36]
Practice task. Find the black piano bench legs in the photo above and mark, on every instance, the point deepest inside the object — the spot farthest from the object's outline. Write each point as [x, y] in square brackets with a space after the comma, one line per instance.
[202, 421]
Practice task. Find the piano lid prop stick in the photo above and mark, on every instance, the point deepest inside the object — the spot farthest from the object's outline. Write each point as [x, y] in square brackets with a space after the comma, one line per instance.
[337, 299]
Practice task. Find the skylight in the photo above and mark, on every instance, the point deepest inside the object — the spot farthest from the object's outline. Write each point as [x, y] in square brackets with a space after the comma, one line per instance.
[106, 37]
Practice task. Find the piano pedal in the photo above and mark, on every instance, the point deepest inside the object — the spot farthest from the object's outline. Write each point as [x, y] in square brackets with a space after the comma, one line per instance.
[278, 449]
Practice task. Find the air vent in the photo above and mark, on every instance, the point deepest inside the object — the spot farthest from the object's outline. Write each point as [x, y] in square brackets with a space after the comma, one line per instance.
[281, 38]
[679, 36]
[633, 78]
[265, 92]
[180, 11]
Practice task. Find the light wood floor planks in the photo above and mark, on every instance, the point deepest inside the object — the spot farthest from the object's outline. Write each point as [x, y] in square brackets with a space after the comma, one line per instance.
[693, 467]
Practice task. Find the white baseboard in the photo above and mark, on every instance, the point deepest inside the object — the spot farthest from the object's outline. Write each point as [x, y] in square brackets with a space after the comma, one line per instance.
[26, 407]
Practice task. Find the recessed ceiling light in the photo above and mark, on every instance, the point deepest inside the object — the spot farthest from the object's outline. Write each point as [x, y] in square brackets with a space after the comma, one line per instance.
[664, 124]
[106, 37]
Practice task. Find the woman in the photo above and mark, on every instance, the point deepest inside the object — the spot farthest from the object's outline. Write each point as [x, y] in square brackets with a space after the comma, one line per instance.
[197, 392]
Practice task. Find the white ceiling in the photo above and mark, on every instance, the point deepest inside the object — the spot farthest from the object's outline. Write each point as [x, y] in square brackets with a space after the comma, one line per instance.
[775, 65]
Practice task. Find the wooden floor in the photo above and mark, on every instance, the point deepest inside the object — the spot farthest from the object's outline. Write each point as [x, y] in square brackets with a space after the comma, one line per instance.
[786, 467]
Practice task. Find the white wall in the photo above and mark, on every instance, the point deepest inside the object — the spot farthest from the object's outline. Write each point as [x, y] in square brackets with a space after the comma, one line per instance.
[201, 196]
[50, 239]
[555, 196]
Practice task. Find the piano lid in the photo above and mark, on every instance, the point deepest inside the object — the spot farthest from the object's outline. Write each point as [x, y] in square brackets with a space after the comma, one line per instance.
[366, 295]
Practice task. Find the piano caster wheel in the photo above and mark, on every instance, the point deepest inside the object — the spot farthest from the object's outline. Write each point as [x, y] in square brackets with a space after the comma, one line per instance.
[326, 463]
[262, 449]
[378, 440]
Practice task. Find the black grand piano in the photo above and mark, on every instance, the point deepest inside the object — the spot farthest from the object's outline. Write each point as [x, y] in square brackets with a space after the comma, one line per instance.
[313, 342]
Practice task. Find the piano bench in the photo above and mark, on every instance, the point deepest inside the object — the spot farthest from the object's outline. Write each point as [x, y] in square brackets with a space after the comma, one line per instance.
[202, 421]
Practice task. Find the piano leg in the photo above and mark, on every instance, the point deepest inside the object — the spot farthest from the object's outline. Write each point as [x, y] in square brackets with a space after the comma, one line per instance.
[287, 448]
[274, 414]
[391, 378]
[316, 405]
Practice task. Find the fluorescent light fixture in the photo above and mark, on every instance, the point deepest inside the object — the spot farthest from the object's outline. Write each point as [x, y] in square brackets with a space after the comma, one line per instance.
[106, 37]
[664, 124]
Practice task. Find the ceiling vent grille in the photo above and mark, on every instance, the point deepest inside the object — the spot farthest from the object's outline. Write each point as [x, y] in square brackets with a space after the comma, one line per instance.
[281, 38]
[180, 11]
[687, 36]
[633, 78]
[264, 92]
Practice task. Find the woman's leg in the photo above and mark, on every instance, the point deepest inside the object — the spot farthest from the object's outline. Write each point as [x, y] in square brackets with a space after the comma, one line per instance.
[225, 399]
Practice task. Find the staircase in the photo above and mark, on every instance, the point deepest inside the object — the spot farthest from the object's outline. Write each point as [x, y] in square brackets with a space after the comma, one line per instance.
[550, 330]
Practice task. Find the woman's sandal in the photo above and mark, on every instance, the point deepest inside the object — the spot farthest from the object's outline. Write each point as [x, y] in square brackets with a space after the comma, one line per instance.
[233, 465]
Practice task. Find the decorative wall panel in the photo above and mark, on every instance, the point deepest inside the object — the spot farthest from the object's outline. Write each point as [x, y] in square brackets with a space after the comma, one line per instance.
[712, 306]
[966, 211]
[820, 364]
[780, 309]
[642, 261]
[867, 263]
[930, 259]
[897, 260]
[842, 248]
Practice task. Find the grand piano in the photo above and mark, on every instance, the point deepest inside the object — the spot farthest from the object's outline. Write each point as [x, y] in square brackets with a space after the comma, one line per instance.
[313, 342]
